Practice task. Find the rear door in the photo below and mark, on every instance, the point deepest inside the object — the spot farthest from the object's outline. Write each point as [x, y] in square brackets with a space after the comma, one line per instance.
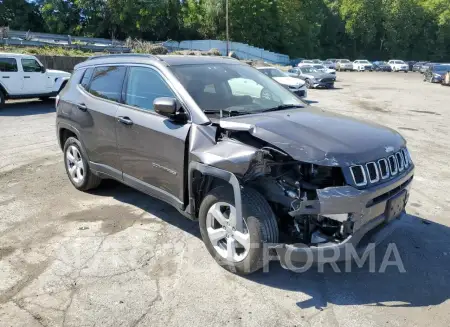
[151, 147]
[34, 78]
[10, 77]
[100, 92]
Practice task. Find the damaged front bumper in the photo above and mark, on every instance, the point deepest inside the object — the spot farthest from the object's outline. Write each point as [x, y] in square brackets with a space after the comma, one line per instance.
[371, 212]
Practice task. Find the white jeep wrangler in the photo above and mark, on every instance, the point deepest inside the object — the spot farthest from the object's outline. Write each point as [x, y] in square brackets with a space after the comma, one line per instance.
[24, 76]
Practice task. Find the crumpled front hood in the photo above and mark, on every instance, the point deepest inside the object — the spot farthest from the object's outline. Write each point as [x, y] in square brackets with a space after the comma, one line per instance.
[316, 136]
[57, 73]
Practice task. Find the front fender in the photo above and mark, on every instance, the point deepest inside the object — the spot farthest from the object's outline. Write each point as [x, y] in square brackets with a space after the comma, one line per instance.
[59, 83]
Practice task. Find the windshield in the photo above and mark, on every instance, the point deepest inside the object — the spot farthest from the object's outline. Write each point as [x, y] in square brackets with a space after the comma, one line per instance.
[345, 61]
[364, 62]
[272, 72]
[441, 68]
[401, 62]
[319, 67]
[308, 70]
[236, 88]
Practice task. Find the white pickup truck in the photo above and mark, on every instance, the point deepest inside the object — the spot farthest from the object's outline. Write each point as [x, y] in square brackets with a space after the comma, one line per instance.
[23, 77]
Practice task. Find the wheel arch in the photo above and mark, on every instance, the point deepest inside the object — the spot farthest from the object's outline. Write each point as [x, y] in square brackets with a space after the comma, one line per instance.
[64, 131]
[213, 177]
[3, 90]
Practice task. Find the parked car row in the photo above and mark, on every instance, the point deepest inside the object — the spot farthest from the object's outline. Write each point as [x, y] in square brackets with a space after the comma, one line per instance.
[360, 65]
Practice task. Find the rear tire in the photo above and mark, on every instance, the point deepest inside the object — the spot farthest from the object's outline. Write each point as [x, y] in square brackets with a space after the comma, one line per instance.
[2, 99]
[259, 224]
[77, 166]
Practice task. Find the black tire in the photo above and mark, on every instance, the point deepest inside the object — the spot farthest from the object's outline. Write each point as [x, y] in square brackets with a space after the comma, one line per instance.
[261, 224]
[308, 83]
[90, 180]
[2, 99]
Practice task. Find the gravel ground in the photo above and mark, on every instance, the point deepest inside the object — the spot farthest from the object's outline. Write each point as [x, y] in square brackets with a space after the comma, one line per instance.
[115, 257]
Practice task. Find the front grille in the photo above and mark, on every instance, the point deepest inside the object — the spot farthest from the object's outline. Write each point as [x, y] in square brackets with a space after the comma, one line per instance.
[300, 93]
[382, 169]
[327, 80]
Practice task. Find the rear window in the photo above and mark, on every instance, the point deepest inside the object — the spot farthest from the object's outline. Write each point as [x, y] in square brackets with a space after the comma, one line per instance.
[8, 65]
[107, 82]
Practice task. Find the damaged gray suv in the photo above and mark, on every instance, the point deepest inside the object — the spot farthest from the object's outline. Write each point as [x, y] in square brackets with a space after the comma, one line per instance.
[262, 171]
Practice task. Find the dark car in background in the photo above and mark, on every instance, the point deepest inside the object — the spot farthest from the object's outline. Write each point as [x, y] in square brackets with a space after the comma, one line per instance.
[425, 67]
[411, 65]
[436, 73]
[312, 77]
[381, 66]
[418, 65]
[329, 63]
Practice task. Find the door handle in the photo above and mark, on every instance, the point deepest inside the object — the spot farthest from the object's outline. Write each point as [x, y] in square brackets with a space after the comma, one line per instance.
[124, 120]
[82, 107]
[5, 76]
[26, 77]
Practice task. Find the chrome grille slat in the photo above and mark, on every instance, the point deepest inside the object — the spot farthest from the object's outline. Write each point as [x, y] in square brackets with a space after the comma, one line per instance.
[374, 167]
[354, 170]
[382, 169]
[393, 164]
[400, 161]
[386, 168]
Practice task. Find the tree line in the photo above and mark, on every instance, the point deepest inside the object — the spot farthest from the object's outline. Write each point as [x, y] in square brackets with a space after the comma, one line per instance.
[373, 29]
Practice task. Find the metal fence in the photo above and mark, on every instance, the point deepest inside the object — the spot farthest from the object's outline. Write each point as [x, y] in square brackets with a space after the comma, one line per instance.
[33, 39]
[243, 51]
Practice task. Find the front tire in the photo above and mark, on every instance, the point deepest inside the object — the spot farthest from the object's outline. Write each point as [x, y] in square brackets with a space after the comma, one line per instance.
[237, 252]
[308, 84]
[77, 167]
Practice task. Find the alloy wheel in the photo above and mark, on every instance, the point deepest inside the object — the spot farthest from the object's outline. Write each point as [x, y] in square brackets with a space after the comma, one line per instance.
[229, 243]
[75, 165]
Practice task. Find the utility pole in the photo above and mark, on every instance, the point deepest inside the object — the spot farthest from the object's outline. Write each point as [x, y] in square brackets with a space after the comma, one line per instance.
[227, 27]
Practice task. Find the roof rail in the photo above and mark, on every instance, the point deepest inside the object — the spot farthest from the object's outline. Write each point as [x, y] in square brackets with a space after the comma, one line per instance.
[118, 55]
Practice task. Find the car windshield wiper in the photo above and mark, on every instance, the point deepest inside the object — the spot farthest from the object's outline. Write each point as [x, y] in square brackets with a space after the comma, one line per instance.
[282, 107]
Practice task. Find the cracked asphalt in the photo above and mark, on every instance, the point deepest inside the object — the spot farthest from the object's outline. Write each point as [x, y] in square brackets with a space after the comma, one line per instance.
[116, 257]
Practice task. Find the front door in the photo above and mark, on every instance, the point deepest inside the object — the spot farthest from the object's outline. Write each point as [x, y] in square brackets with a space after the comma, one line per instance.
[151, 147]
[34, 78]
[10, 77]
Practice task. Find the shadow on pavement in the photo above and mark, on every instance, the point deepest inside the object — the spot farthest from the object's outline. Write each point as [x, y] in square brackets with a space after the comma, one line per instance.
[162, 210]
[28, 108]
[424, 249]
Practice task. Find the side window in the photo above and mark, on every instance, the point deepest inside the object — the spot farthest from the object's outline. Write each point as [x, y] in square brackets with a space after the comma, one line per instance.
[86, 78]
[144, 86]
[107, 82]
[31, 66]
[8, 65]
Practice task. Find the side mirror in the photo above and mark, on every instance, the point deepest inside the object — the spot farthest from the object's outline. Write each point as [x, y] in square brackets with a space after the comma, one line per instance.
[165, 106]
[169, 107]
[43, 70]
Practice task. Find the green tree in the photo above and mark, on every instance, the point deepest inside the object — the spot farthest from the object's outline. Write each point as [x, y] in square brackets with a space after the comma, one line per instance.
[21, 15]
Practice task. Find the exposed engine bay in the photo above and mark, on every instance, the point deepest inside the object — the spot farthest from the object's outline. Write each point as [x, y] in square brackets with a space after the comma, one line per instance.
[286, 183]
